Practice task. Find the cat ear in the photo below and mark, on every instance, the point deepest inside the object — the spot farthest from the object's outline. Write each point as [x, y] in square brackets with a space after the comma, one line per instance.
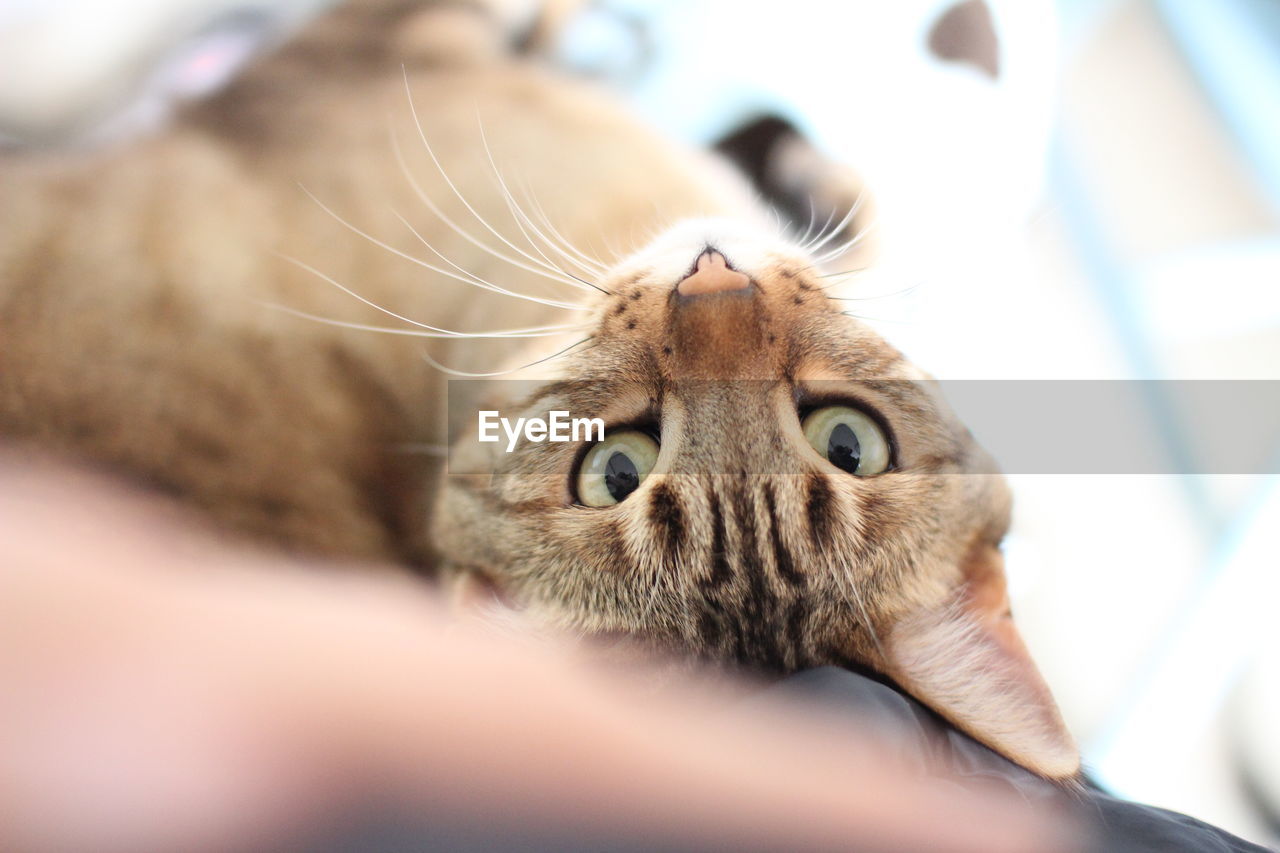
[809, 187]
[965, 33]
[965, 659]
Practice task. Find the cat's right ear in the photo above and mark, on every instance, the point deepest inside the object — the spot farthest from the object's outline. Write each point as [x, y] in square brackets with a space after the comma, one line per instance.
[809, 187]
[966, 33]
[964, 658]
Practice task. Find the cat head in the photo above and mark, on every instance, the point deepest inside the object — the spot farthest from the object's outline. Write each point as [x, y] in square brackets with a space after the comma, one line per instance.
[777, 487]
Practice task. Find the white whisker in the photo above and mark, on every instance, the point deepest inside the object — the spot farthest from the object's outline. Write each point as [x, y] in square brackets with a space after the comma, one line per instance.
[476, 280]
[813, 215]
[518, 215]
[357, 296]
[535, 332]
[594, 265]
[870, 319]
[608, 244]
[551, 244]
[554, 274]
[841, 249]
[900, 292]
[807, 239]
[840, 226]
[426, 356]
[823, 230]
[471, 279]
[425, 198]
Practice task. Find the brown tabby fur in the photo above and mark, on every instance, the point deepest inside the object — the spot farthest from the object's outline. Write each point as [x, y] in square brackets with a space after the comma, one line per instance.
[133, 333]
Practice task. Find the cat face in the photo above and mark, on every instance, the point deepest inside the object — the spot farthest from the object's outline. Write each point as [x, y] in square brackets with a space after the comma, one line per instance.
[777, 487]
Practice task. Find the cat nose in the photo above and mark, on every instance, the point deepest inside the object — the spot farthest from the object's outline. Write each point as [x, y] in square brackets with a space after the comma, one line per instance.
[712, 274]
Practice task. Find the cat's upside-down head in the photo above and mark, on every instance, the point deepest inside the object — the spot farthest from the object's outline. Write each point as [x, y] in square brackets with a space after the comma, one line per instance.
[777, 487]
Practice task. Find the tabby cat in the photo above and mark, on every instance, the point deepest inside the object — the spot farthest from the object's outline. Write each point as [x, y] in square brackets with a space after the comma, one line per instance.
[257, 310]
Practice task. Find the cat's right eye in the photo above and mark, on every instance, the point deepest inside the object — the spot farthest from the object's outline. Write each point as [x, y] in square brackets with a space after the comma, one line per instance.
[615, 467]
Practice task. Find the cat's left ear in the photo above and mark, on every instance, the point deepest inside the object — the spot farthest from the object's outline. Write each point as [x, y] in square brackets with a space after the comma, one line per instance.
[965, 659]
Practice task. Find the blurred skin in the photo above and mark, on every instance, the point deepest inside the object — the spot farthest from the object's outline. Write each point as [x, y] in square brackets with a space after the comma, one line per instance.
[159, 691]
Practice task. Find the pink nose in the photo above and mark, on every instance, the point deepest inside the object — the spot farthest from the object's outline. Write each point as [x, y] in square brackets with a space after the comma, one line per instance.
[712, 275]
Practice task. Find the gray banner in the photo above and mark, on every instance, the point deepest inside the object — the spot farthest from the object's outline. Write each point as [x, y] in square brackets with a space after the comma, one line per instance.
[1180, 427]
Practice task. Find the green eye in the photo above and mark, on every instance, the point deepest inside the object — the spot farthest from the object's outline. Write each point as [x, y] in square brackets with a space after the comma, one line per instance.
[615, 467]
[848, 439]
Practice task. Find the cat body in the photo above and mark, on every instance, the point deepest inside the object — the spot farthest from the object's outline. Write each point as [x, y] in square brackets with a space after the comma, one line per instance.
[198, 311]
[138, 284]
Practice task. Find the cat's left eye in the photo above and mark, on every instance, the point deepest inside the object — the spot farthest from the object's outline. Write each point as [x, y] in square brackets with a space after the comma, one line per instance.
[849, 439]
[615, 467]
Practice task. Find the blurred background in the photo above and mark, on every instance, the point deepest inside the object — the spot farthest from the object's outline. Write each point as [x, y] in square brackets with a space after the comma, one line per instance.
[1088, 189]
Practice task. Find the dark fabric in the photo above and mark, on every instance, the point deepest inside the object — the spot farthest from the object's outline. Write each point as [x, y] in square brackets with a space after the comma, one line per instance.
[922, 739]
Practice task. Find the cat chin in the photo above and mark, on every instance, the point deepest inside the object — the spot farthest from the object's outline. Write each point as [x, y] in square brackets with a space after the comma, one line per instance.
[748, 246]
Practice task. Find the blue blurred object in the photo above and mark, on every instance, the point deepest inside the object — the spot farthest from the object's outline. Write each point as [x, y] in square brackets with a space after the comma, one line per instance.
[1233, 46]
[1232, 49]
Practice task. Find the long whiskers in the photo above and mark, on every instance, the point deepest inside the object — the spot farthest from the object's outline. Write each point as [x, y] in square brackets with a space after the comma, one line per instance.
[468, 375]
[466, 277]
[839, 226]
[592, 263]
[426, 199]
[868, 318]
[805, 239]
[534, 332]
[900, 292]
[522, 220]
[547, 270]
[847, 245]
[304, 266]
[370, 303]
[479, 282]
